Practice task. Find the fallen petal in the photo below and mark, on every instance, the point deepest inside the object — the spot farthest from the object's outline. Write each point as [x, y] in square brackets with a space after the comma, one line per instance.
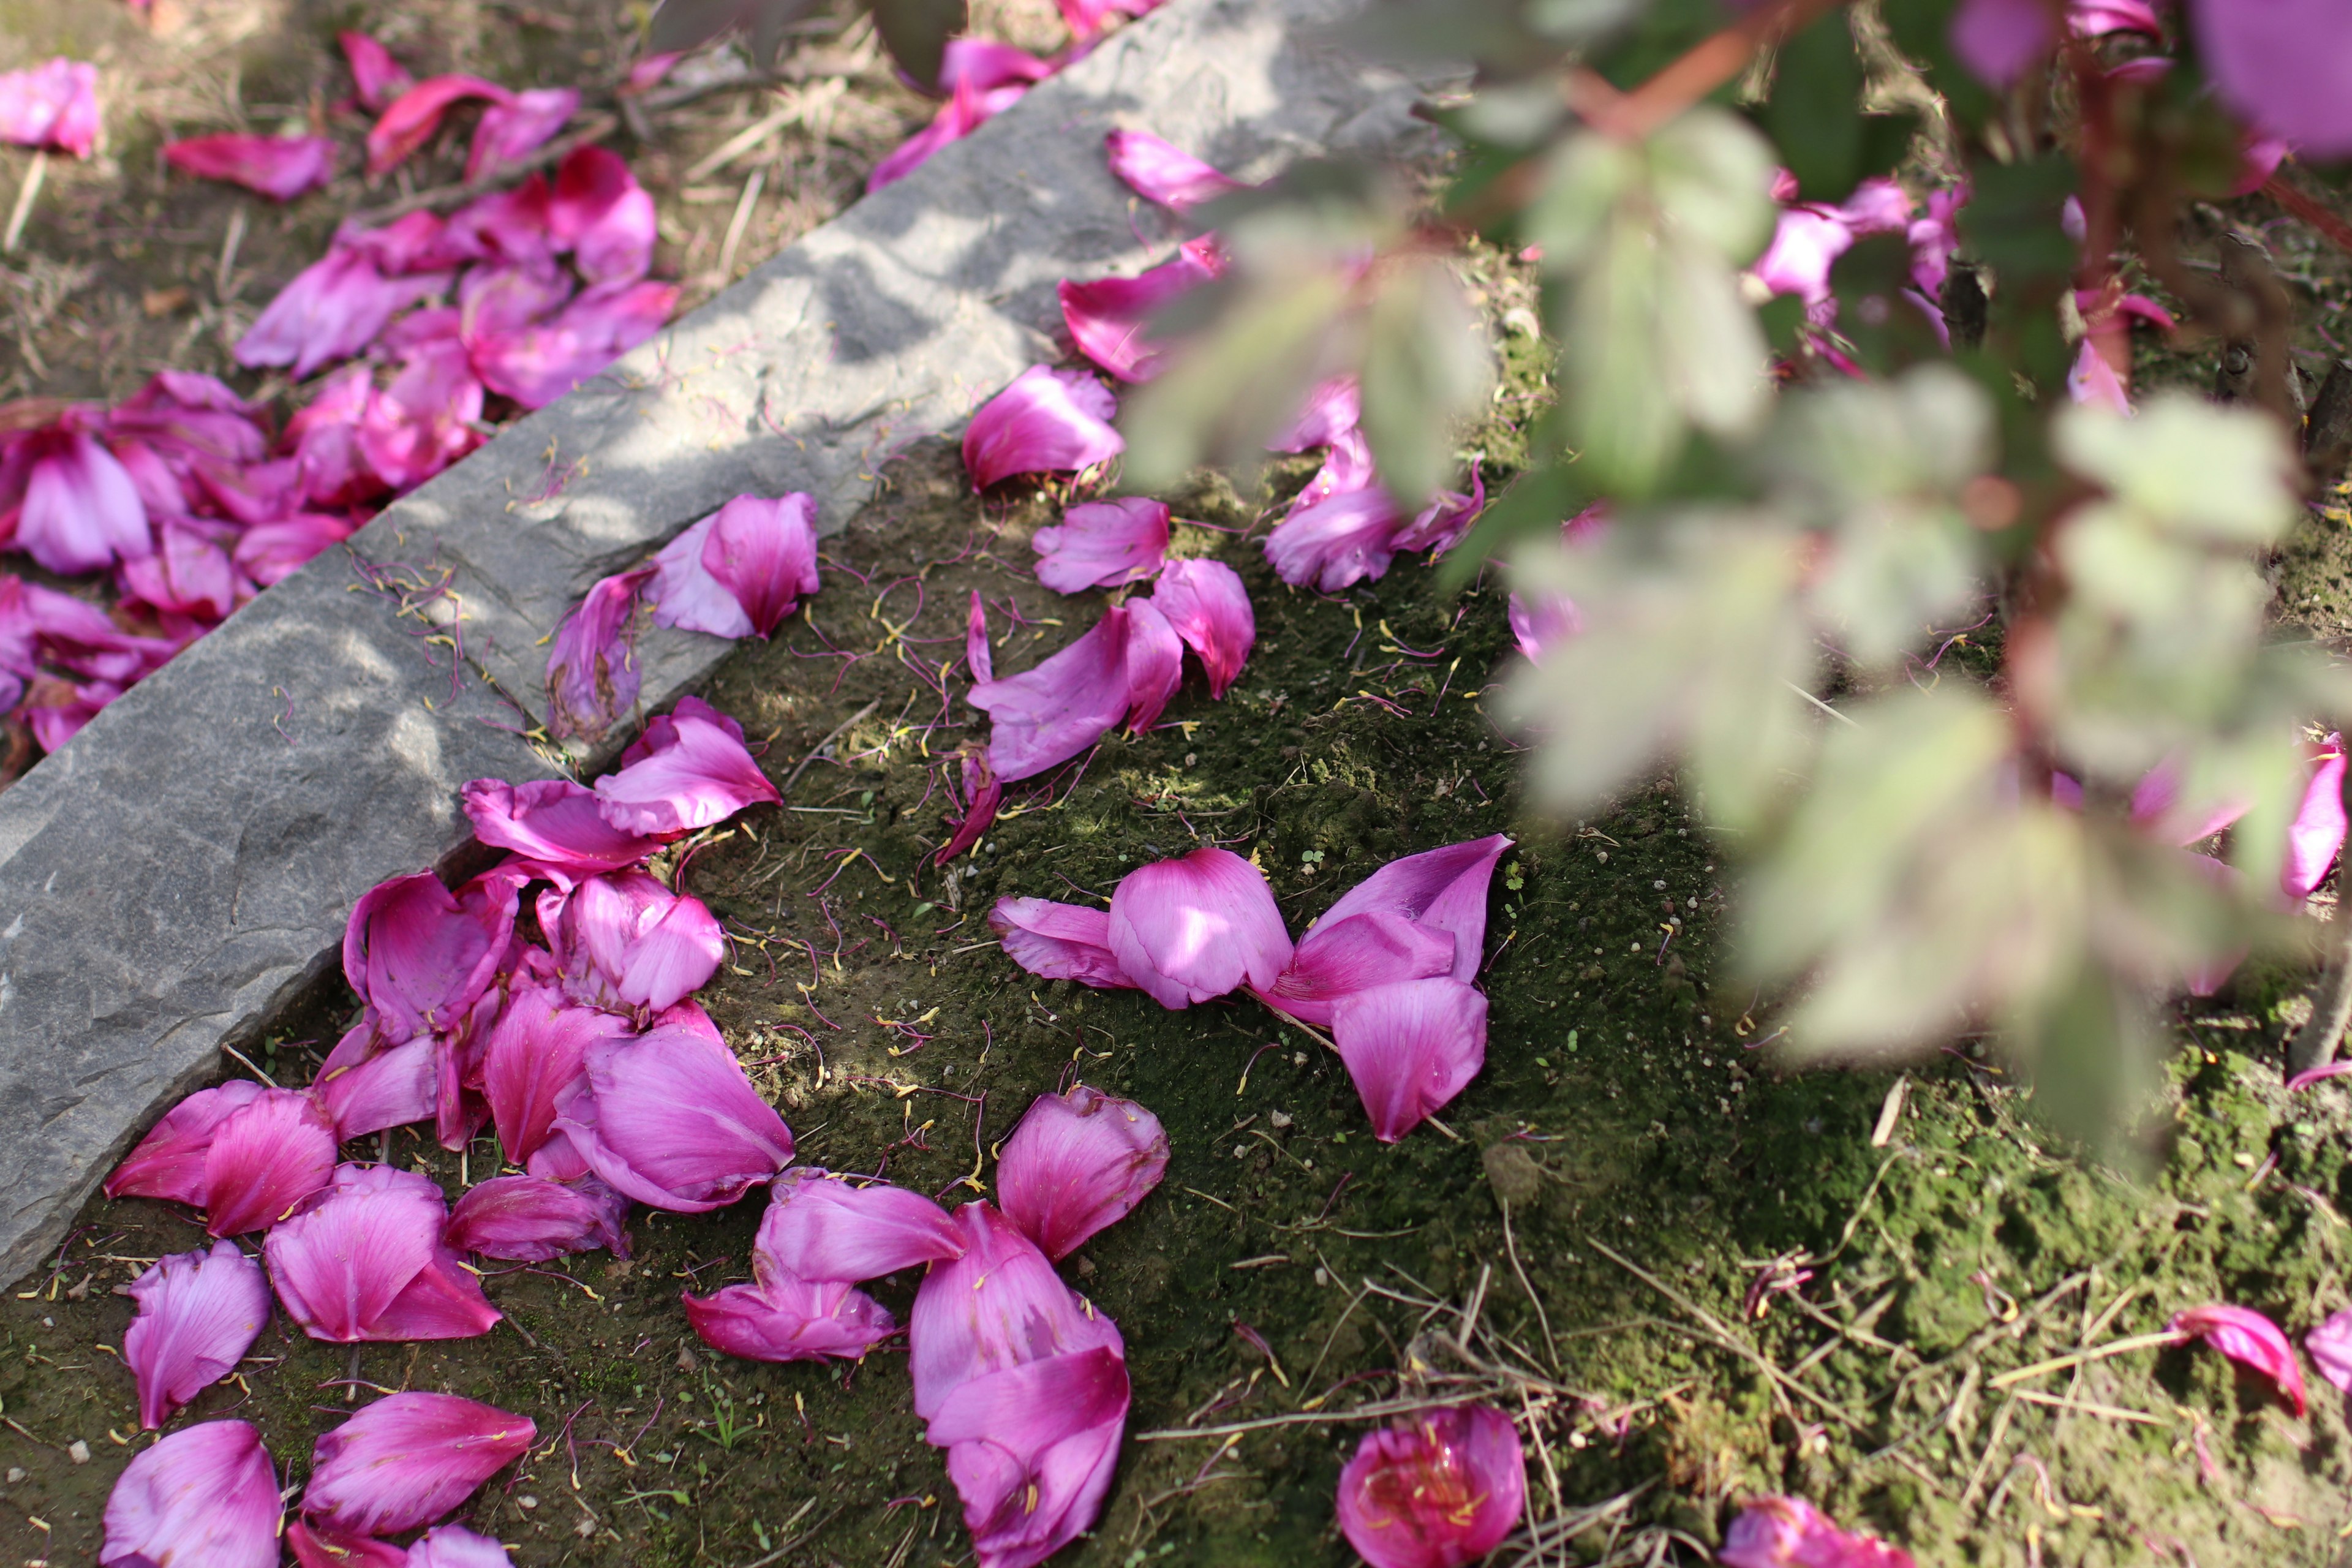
[1435, 1488]
[52, 105]
[790, 1319]
[592, 668]
[1789, 1532]
[1410, 1047]
[314, 1547]
[1343, 538]
[408, 1459]
[1047, 715]
[1059, 941]
[365, 1261]
[454, 1546]
[1087, 17]
[966, 111]
[983, 63]
[1159, 171]
[387, 1089]
[599, 212]
[512, 130]
[1046, 421]
[379, 78]
[818, 1226]
[333, 309]
[650, 946]
[279, 167]
[537, 365]
[690, 770]
[199, 1313]
[206, 1494]
[1341, 957]
[1079, 1161]
[530, 1219]
[1154, 664]
[983, 793]
[1209, 607]
[2318, 832]
[266, 1158]
[976, 655]
[410, 120]
[1445, 889]
[553, 824]
[1110, 318]
[420, 955]
[1102, 544]
[82, 511]
[510, 295]
[536, 1061]
[2330, 1345]
[2251, 1340]
[169, 1163]
[1193, 929]
[671, 1121]
[1333, 410]
[741, 571]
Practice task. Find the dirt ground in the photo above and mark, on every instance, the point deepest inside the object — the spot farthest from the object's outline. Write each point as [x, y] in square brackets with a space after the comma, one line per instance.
[1697, 1273]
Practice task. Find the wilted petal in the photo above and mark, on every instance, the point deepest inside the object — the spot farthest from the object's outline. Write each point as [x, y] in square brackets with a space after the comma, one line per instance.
[685, 595]
[1102, 544]
[537, 365]
[1441, 524]
[818, 1226]
[1435, 1488]
[983, 63]
[266, 1158]
[1207, 604]
[599, 212]
[2318, 831]
[204, 1496]
[671, 1121]
[1079, 1162]
[983, 793]
[1108, 318]
[510, 295]
[592, 667]
[409, 120]
[536, 1061]
[279, 167]
[790, 1319]
[1193, 929]
[976, 654]
[517, 128]
[966, 111]
[199, 1313]
[188, 575]
[1060, 942]
[763, 555]
[530, 1220]
[1332, 410]
[408, 1459]
[324, 437]
[420, 955]
[553, 824]
[511, 225]
[52, 105]
[169, 1163]
[1046, 421]
[1410, 1047]
[365, 1261]
[1047, 715]
[1789, 1532]
[379, 78]
[2251, 1340]
[689, 770]
[650, 946]
[1341, 957]
[454, 1546]
[388, 1089]
[82, 511]
[2330, 1345]
[333, 309]
[1159, 171]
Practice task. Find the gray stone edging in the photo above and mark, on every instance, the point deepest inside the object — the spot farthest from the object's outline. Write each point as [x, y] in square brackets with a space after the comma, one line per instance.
[181, 872]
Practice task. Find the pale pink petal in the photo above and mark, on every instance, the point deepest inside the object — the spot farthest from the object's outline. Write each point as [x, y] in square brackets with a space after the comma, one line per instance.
[684, 592]
[333, 309]
[1193, 929]
[2318, 831]
[279, 167]
[976, 654]
[199, 1313]
[379, 77]
[1410, 1047]
[966, 111]
[2281, 65]
[454, 1546]
[1159, 171]
[819, 1227]
[410, 120]
[1079, 1162]
[1789, 1532]
[419, 956]
[690, 770]
[530, 1220]
[1110, 318]
[205, 1496]
[2093, 381]
[367, 1093]
[1332, 410]
[2330, 1345]
[1331, 543]
[605, 216]
[671, 1121]
[169, 1163]
[1355, 953]
[408, 1459]
[983, 794]
[790, 1319]
[52, 105]
[1046, 421]
[649, 72]
[592, 666]
[365, 1261]
[1060, 942]
[1047, 715]
[537, 365]
[82, 511]
[2250, 1339]
[1207, 604]
[536, 1061]
[763, 553]
[553, 824]
[1998, 40]
[983, 63]
[650, 946]
[1102, 544]
[516, 129]
[1435, 1489]
[266, 1158]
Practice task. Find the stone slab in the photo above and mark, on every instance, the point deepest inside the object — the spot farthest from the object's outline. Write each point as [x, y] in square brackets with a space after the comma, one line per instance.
[181, 871]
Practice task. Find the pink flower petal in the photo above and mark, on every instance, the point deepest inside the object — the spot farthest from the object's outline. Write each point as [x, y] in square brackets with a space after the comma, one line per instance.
[1410, 1047]
[426, 420]
[1435, 1489]
[2330, 1345]
[1046, 421]
[410, 120]
[504, 297]
[2280, 65]
[1154, 664]
[365, 1261]
[1079, 1161]
[2318, 831]
[1341, 957]
[1060, 942]
[1108, 318]
[2096, 18]
[408, 1459]
[818, 1226]
[2320, 1074]
[649, 947]
[536, 1061]
[1789, 1532]
[790, 1319]
[1102, 544]
[1445, 889]
[189, 573]
[333, 309]
[420, 955]
[763, 555]
[592, 667]
[1332, 410]
[1159, 171]
[1193, 929]
[2093, 381]
[52, 105]
[966, 111]
[976, 655]
[279, 167]
[530, 1219]
[685, 595]
[983, 794]
[206, 1494]
[1336, 542]
[599, 212]
[1998, 40]
[1441, 524]
[515, 129]
[365, 1092]
[169, 1163]
[690, 770]
[1207, 604]
[319, 1548]
[983, 64]
[379, 77]
[199, 1313]
[266, 1158]
[1087, 17]
[82, 511]
[537, 365]
[2250, 1339]
[649, 72]
[454, 1546]
[513, 225]
[1047, 715]
[324, 437]
[671, 1121]
[557, 825]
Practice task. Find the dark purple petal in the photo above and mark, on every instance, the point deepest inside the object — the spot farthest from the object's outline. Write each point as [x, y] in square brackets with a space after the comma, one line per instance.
[279, 167]
[206, 1494]
[199, 1313]
[1079, 1161]
[408, 1459]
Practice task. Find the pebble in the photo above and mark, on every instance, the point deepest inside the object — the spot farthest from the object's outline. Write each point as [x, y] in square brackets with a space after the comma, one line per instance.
[1240, 1150]
[15, 1474]
[1278, 1121]
[77, 1451]
[525, 1502]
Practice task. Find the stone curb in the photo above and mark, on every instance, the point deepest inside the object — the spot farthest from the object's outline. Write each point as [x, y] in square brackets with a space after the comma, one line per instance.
[181, 873]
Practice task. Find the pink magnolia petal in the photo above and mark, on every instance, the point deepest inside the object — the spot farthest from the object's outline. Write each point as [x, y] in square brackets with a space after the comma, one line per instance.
[1060, 942]
[1789, 1532]
[1087, 17]
[820, 1227]
[671, 1121]
[443, 1300]
[333, 309]
[1435, 1489]
[1341, 539]
[983, 794]
[2250, 1339]
[265, 1159]
[537, 365]
[1154, 664]
[199, 1313]
[976, 655]
[1046, 421]
[1109, 319]
[169, 1163]
[507, 295]
[379, 78]
[82, 511]
[410, 120]
[599, 212]
[408, 1459]
[52, 105]
[2318, 832]
[2093, 381]
[592, 668]
[790, 1319]
[314, 1547]
[1079, 1161]
[390, 1088]
[684, 592]
[998, 1305]
[1998, 40]
[651, 946]
[515, 129]
[1445, 889]
[536, 1061]
[966, 111]
[279, 167]
[763, 553]
[188, 575]
[1193, 929]
[1355, 953]
[1045, 716]
[690, 771]
[324, 437]
[1102, 544]
[1332, 410]
[204, 1495]
[365, 1261]
[983, 63]
[454, 1546]
[1440, 525]
[2330, 1345]
[425, 419]
[1209, 607]
[421, 955]
[556, 825]
[1410, 1047]
[530, 1219]
[513, 225]
[1159, 171]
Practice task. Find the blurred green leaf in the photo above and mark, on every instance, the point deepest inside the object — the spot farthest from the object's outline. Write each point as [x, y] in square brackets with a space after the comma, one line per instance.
[1426, 366]
[1711, 178]
[2013, 220]
[2089, 1046]
[916, 32]
[2226, 474]
[1814, 115]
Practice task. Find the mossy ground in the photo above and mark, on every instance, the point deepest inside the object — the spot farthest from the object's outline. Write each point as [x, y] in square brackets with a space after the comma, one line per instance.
[1744, 1278]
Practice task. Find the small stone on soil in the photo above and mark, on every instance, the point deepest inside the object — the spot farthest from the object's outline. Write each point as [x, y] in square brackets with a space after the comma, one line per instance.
[77, 1451]
[1278, 1121]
